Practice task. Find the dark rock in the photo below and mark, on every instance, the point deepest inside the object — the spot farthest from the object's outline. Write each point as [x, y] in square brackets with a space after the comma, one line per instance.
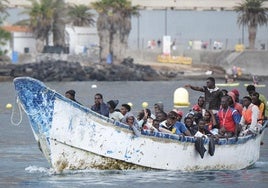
[73, 71]
[58, 70]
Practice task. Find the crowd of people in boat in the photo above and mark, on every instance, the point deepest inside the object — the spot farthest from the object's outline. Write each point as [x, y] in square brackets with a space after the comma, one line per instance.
[218, 113]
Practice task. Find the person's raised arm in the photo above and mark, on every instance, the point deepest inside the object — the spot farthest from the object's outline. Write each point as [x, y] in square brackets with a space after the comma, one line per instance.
[196, 88]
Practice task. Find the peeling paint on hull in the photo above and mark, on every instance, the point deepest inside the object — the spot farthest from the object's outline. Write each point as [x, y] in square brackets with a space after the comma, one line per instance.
[67, 157]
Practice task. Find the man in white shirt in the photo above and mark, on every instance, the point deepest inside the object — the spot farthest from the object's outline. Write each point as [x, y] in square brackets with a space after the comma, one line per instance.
[249, 119]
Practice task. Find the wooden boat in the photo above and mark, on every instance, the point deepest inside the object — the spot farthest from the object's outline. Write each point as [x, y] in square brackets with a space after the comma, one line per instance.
[233, 84]
[73, 137]
[256, 85]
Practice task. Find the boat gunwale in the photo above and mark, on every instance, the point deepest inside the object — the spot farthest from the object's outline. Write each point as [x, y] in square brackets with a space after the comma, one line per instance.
[161, 135]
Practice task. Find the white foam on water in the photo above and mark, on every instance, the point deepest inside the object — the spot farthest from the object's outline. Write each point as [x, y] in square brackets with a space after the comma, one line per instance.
[261, 164]
[43, 170]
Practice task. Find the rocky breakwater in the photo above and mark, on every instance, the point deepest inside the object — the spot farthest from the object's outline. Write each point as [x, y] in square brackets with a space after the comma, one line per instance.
[59, 70]
[73, 71]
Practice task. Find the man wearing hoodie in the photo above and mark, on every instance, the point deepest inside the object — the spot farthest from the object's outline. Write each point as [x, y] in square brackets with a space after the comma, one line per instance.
[235, 104]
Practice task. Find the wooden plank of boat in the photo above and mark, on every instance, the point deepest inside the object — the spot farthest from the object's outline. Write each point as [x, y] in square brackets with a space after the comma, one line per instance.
[73, 137]
[233, 84]
[256, 85]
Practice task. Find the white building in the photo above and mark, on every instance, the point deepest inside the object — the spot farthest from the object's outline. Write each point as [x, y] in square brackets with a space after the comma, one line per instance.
[81, 38]
[22, 41]
[77, 39]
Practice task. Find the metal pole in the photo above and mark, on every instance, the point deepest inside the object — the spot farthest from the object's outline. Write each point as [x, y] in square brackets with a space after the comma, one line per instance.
[242, 33]
[165, 21]
[138, 33]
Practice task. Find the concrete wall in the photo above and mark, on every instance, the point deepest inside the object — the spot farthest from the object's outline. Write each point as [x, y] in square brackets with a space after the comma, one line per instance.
[252, 62]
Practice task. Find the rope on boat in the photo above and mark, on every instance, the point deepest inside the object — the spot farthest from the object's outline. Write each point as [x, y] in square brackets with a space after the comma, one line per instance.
[19, 105]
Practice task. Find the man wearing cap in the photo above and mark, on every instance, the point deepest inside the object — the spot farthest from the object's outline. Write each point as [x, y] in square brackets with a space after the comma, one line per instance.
[173, 126]
[180, 114]
[70, 94]
[249, 119]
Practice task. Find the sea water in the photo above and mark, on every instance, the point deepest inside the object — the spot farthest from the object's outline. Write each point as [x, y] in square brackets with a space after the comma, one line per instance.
[23, 165]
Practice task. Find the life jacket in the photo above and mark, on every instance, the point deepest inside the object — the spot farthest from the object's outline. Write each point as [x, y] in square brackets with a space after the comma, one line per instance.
[247, 114]
[262, 112]
[226, 119]
[209, 126]
[197, 108]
